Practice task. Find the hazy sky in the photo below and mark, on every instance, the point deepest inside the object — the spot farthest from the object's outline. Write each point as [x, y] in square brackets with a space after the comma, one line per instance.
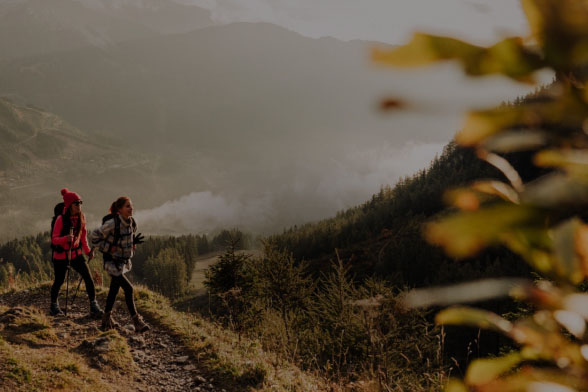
[439, 96]
[389, 21]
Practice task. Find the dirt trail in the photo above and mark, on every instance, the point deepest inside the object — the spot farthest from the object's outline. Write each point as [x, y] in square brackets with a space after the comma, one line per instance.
[162, 363]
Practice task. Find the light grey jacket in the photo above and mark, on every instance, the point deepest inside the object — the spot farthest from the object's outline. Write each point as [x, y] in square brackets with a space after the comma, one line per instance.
[121, 252]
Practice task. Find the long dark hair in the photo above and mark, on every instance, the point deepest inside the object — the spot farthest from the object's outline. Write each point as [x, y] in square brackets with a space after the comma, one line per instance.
[118, 204]
[81, 223]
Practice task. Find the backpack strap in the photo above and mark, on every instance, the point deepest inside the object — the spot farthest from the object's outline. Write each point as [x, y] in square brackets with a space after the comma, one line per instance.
[116, 236]
[58, 248]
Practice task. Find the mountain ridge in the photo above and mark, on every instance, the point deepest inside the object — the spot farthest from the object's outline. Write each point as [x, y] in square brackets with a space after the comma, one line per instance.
[186, 81]
[61, 25]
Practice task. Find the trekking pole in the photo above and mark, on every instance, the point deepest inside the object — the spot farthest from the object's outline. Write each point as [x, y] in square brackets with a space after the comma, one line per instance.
[68, 265]
[78, 288]
[73, 300]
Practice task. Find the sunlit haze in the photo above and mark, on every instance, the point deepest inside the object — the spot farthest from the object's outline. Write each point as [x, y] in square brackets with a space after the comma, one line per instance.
[230, 113]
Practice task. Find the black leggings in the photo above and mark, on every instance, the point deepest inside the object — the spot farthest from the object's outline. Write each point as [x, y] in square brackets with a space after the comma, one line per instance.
[79, 264]
[117, 282]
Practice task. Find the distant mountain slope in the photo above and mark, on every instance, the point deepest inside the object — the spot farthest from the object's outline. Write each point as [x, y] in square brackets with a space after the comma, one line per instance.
[35, 142]
[33, 137]
[40, 153]
[32, 27]
[212, 88]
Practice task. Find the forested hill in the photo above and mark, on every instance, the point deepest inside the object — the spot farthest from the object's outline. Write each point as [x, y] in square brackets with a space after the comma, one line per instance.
[383, 236]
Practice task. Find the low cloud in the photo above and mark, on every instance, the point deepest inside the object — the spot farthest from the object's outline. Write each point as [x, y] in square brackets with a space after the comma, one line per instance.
[309, 192]
[204, 212]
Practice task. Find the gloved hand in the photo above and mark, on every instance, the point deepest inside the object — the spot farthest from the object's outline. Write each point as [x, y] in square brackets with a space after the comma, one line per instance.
[138, 239]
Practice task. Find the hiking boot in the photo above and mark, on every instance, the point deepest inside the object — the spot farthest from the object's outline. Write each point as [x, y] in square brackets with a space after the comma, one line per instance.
[95, 311]
[54, 310]
[140, 325]
[108, 322]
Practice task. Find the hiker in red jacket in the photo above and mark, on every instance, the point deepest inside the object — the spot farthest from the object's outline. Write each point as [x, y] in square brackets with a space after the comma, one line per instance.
[69, 243]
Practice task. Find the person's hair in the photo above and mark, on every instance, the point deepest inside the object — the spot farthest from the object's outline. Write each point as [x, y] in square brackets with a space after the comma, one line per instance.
[118, 204]
[81, 222]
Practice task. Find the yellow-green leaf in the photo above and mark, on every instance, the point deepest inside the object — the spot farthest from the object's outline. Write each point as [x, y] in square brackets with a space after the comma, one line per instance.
[515, 140]
[565, 108]
[508, 57]
[482, 124]
[573, 161]
[542, 337]
[531, 379]
[480, 290]
[505, 167]
[534, 245]
[455, 385]
[497, 188]
[561, 30]
[462, 315]
[482, 371]
[425, 49]
[564, 238]
[542, 294]
[556, 191]
[466, 233]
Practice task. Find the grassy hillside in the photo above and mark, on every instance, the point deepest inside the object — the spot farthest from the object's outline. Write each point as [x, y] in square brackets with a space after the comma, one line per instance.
[182, 352]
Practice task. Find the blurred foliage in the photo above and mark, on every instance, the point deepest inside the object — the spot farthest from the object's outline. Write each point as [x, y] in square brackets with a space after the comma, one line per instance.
[541, 220]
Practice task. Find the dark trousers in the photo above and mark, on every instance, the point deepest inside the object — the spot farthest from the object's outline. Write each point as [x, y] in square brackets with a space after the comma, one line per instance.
[116, 283]
[79, 264]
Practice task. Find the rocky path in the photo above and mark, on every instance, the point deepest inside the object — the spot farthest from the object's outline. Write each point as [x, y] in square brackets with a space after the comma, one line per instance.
[161, 362]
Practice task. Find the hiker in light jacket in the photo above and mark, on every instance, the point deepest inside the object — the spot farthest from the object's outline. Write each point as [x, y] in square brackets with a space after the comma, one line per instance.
[75, 245]
[116, 239]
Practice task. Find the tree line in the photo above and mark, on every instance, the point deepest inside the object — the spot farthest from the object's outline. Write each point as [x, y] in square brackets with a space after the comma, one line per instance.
[383, 236]
[163, 263]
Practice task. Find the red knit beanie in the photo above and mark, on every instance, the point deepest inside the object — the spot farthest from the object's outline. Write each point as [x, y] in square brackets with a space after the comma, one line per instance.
[68, 198]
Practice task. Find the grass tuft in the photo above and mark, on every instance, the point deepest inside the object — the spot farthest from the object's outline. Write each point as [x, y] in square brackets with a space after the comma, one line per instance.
[237, 364]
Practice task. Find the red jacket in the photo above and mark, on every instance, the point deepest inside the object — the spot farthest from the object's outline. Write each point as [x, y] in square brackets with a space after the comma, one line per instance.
[56, 239]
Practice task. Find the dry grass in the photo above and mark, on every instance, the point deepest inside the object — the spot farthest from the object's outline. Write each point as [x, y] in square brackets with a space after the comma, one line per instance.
[32, 359]
[236, 363]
